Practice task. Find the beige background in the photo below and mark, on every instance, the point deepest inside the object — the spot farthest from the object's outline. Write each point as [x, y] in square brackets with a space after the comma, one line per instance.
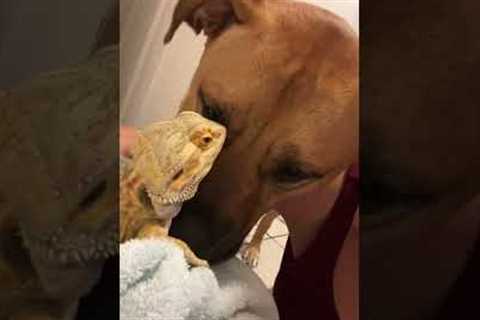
[155, 77]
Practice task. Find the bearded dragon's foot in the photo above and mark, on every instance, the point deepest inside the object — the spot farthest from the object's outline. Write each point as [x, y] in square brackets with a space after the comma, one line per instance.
[157, 232]
[195, 261]
[190, 256]
[250, 254]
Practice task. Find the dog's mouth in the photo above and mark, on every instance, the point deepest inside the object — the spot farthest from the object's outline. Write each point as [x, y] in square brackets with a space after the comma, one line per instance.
[225, 248]
[210, 236]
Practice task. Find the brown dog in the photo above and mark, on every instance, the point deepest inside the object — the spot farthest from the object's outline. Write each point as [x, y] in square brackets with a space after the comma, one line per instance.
[282, 77]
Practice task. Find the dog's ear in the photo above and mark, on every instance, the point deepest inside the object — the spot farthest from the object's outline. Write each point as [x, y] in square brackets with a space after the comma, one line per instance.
[212, 16]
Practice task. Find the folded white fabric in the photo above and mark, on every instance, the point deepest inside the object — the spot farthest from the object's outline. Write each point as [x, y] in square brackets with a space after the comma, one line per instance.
[156, 283]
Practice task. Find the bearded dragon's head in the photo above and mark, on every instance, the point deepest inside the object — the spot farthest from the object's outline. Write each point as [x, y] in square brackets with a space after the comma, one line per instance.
[174, 156]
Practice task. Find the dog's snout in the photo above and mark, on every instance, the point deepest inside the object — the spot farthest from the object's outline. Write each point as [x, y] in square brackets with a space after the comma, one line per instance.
[211, 233]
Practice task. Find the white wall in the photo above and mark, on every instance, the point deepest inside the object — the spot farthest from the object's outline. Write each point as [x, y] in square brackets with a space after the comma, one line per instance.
[164, 73]
[154, 77]
[347, 9]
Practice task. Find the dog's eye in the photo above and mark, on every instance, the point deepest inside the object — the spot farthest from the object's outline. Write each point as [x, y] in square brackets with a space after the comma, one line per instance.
[291, 174]
[212, 111]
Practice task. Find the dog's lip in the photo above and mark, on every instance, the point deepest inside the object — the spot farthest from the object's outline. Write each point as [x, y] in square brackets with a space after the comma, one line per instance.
[217, 253]
[216, 258]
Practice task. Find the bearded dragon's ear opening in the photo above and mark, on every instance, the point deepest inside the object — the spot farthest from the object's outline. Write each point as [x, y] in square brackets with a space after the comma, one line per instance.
[213, 16]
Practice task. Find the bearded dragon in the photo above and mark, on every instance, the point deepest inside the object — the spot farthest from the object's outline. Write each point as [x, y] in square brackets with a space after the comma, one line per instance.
[168, 162]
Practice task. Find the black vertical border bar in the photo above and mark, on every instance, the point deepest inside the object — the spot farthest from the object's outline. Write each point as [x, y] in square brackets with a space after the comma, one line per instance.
[104, 300]
[39, 37]
[419, 80]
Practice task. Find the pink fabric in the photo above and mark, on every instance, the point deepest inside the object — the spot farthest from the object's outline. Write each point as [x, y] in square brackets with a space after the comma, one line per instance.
[304, 286]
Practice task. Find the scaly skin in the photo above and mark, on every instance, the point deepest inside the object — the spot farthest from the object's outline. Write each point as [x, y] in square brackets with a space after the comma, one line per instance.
[168, 162]
[58, 191]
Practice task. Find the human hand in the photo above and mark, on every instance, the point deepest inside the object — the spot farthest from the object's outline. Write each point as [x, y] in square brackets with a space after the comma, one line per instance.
[128, 136]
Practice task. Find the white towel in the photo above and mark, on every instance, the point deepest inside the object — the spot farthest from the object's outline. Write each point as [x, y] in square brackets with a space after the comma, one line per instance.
[156, 283]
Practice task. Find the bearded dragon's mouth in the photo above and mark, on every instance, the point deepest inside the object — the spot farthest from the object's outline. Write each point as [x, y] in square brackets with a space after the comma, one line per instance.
[172, 198]
[167, 197]
[73, 248]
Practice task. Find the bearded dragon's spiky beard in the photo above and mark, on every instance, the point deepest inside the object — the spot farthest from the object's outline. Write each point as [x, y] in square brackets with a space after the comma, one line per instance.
[167, 197]
[75, 249]
[171, 198]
